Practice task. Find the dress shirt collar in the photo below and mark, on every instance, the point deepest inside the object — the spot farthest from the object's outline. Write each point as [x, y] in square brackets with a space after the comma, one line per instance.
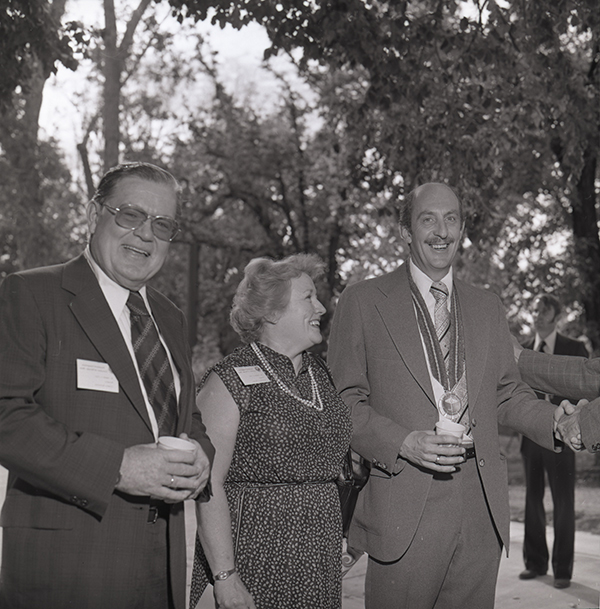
[116, 295]
[550, 341]
[423, 281]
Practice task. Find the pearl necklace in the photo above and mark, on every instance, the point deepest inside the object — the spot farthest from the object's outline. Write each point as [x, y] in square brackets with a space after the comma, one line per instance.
[315, 402]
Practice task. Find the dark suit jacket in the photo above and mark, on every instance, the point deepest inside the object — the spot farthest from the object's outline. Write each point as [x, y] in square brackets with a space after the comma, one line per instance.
[379, 366]
[577, 377]
[63, 446]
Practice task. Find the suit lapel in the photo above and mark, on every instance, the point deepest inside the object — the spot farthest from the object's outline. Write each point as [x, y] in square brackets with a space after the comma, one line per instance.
[96, 319]
[560, 346]
[476, 329]
[398, 315]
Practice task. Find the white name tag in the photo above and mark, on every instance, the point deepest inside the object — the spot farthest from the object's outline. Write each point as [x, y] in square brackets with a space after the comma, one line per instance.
[251, 375]
[96, 376]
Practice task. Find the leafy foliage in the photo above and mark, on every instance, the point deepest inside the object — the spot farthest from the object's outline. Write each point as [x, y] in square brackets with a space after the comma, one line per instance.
[35, 187]
[499, 99]
[31, 235]
[272, 184]
[502, 103]
[29, 33]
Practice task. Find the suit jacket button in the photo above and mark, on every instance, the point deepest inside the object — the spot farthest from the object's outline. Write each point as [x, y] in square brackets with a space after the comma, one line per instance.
[596, 447]
[473, 422]
[481, 462]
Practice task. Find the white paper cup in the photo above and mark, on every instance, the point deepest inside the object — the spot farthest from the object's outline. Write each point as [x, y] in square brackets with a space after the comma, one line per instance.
[448, 428]
[173, 443]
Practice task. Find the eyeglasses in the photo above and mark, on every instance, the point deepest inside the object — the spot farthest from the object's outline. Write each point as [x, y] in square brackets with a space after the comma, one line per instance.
[163, 227]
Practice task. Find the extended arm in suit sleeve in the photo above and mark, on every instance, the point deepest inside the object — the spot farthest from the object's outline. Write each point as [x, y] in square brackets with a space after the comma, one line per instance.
[577, 377]
[518, 407]
[589, 420]
[375, 437]
[79, 467]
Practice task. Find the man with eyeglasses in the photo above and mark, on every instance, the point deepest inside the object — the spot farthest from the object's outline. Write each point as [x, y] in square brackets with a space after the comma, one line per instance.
[94, 368]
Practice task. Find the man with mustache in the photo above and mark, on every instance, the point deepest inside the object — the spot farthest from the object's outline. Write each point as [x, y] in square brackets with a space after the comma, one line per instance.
[94, 367]
[410, 350]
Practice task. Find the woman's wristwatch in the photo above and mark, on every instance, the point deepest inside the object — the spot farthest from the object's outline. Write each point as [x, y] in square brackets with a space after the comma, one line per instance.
[223, 575]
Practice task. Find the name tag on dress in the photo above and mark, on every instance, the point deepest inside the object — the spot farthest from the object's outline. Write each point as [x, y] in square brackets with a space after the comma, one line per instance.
[251, 375]
[96, 376]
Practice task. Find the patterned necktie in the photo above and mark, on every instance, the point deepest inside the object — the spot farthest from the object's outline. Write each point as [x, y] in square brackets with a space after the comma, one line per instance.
[154, 366]
[542, 347]
[441, 317]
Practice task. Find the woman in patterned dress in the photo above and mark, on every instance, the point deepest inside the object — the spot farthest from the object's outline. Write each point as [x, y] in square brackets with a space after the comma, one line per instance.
[270, 537]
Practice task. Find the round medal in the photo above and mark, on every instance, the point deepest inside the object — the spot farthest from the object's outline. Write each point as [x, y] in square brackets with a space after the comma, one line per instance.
[450, 404]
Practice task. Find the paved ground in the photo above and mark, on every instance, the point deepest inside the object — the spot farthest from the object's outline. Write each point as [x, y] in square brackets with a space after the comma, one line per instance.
[512, 593]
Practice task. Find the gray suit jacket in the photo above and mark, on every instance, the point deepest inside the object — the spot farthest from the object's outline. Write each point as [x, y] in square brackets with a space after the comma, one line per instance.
[63, 446]
[380, 369]
[577, 377]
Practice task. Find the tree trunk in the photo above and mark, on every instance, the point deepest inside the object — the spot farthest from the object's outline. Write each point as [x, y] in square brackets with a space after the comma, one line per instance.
[587, 242]
[112, 69]
[19, 139]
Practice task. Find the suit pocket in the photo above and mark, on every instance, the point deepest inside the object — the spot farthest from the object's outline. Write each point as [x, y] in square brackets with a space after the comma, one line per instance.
[38, 512]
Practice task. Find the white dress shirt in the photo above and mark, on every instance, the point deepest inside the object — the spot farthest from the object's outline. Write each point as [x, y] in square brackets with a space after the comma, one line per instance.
[550, 342]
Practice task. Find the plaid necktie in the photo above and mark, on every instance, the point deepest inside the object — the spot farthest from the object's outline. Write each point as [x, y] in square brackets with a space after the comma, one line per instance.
[154, 366]
[441, 318]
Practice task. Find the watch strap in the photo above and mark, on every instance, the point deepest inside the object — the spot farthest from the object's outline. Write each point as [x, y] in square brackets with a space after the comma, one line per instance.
[223, 575]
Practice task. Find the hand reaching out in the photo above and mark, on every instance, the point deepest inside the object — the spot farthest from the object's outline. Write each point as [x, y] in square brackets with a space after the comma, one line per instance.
[566, 422]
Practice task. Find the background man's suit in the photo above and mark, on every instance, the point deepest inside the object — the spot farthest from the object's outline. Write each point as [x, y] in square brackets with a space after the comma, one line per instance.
[575, 376]
[379, 366]
[560, 468]
[63, 446]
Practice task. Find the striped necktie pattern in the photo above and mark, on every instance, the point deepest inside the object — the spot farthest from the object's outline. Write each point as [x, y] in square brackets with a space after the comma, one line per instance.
[442, 318]
[154, 366]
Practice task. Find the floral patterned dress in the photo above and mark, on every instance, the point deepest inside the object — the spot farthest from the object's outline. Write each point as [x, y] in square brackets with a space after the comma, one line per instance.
[284, 503]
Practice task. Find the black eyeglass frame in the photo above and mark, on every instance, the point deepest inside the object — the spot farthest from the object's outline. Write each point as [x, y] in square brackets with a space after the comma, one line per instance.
[117, 210]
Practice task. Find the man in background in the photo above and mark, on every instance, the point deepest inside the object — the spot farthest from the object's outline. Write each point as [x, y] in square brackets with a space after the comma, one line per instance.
[94, 367]
[558, 466]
